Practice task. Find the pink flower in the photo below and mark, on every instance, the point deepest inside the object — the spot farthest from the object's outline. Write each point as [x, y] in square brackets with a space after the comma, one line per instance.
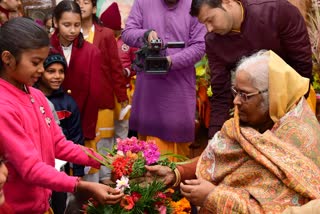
[162, 209]
[123, 183]
[136, 196]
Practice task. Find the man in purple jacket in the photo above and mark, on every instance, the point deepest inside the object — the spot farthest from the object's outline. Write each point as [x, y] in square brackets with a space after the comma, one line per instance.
[163, 106]
[240, 28]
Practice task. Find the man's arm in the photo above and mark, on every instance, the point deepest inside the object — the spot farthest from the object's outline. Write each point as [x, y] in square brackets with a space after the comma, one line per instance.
[134, 26]
[221, 88]
[195, 50]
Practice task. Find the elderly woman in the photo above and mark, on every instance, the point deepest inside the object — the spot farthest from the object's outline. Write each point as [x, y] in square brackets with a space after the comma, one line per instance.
[267, 157]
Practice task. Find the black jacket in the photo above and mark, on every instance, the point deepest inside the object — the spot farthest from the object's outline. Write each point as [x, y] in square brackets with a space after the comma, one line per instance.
[70, 121]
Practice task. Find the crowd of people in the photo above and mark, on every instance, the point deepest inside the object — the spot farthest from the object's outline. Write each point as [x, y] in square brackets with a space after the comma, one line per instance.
[66, 92]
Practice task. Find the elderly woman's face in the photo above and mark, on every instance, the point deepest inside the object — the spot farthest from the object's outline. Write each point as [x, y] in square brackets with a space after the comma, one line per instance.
[250, 102]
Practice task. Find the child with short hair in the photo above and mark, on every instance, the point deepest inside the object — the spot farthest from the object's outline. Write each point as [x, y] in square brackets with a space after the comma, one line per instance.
[65, 106]
[68, 114]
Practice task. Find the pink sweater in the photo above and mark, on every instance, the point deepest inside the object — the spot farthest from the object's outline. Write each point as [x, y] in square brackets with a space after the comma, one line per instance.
[30, 140]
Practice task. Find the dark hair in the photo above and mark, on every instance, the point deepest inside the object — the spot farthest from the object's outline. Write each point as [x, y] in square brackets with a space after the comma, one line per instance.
[68, 6]
[94, 16]
[197, 4]
[20, 34]
[47, 17]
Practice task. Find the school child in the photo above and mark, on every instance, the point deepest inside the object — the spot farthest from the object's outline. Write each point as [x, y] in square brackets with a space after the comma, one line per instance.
[9, 9]
[65, 106]
[111, 18]
[68, 114]
[48, 23]
[113, 82]
[83, 74]
[29, 139]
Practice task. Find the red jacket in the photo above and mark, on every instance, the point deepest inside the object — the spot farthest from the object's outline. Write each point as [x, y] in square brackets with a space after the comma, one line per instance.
[113, 79]
[127, 56]
[83, 78]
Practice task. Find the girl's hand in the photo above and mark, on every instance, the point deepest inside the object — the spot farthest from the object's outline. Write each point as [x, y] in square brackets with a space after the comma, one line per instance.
[124, 104]
[100, 192]
[110, 195]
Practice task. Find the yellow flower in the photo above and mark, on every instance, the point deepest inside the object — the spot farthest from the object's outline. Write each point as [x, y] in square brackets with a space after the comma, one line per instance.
[181, 207]
[200, 71]
[209, 91]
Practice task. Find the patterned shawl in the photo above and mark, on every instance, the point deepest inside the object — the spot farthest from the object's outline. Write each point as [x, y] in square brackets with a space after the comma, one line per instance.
[264, 172]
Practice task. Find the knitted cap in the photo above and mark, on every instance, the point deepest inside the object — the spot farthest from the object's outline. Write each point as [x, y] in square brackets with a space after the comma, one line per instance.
[111, 17]
[55, 58]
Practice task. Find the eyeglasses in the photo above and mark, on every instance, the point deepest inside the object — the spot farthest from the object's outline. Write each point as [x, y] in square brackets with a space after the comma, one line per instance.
[244, 96]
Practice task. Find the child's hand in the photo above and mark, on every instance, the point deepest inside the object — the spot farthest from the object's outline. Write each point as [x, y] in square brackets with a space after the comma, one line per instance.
[124, 104]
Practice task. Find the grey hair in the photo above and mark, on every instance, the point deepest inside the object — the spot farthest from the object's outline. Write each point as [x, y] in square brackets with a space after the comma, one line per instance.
[256, 66]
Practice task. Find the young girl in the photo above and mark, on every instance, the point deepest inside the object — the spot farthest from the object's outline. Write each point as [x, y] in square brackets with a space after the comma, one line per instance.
[48, 23]
[83, 75]
[9, 9]
[113, 81]
[29, 139]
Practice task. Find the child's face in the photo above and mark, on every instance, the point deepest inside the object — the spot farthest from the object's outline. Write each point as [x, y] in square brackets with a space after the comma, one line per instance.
[53, 76]
[48, 26]
[87, 8]
[28, 70]
[12, 4]
[3, 179]
[69, 27]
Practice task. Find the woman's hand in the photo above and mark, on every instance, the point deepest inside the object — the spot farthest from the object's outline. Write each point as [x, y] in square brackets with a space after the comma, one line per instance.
[162, 173]
[196, 191]
[100, 192]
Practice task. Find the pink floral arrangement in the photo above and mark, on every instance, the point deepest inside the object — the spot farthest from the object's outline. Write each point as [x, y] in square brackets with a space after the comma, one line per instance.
[127, 161]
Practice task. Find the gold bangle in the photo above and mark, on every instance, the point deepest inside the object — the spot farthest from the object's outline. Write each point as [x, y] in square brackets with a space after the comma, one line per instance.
[178, 177]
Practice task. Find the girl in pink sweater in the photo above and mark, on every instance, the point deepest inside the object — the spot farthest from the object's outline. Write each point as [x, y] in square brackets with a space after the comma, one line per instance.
[29, 137]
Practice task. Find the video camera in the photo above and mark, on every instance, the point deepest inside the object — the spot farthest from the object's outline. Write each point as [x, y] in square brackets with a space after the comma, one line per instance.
[151, 57]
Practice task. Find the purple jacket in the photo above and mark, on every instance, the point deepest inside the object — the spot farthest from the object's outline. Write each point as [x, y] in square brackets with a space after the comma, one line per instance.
[30, 140]
[268, 24]
[164, 105]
